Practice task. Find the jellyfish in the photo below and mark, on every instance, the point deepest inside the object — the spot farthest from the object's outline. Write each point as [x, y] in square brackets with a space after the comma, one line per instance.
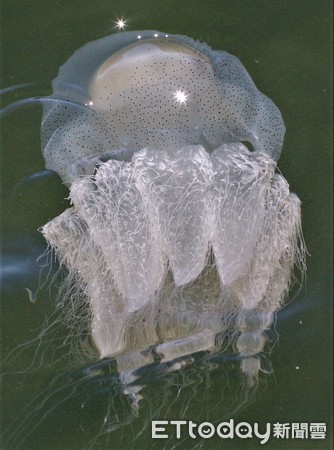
[181, 239]
[181, 228]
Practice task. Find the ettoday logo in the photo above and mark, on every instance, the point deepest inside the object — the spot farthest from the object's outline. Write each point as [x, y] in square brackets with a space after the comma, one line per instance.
[161, 429]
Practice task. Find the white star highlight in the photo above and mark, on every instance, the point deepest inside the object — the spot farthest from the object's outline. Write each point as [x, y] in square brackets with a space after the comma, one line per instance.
[180, 97]
[120, 24]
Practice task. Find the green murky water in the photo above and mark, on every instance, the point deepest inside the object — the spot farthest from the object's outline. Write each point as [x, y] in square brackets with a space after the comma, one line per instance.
[286, 47]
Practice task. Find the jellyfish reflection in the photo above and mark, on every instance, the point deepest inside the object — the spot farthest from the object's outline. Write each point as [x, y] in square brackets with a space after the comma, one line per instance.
[182, 238]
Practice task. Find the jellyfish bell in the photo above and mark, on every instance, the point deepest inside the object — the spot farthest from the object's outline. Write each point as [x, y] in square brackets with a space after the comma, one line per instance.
[163, 92]
[178, 231]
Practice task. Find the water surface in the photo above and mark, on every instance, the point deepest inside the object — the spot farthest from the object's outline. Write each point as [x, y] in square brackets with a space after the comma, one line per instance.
[286, 47]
